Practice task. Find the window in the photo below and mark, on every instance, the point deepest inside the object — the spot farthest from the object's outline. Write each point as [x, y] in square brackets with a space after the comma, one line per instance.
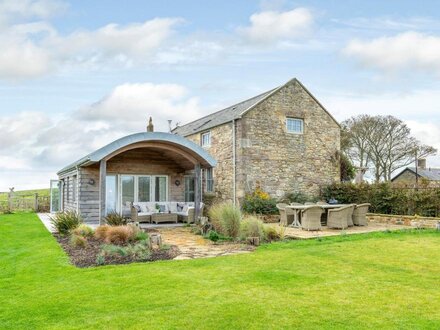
[295, 125]
[144, 189]
[190, 188]
[206, 139]
[161, 188]
[209, 180]
[111, 194]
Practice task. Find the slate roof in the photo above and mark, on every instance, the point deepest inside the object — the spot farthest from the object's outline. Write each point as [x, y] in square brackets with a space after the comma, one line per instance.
[234, 112]
[101, 153]
[431, 174]
[222, 116]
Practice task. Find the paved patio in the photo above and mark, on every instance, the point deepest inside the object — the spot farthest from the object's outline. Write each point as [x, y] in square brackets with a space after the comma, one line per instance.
[298, 233]
[194, 246]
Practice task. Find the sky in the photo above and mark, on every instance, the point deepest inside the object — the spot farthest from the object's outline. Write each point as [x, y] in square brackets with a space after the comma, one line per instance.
[76, 75]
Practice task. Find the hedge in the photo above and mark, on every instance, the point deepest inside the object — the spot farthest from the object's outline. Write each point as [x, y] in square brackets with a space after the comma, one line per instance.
[387, 199]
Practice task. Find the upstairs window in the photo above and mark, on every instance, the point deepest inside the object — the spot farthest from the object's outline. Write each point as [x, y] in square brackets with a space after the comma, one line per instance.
[206, 139]
[295, 125]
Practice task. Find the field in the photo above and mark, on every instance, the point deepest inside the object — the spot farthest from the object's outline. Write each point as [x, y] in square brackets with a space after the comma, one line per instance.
[381, 280]
[40, 192]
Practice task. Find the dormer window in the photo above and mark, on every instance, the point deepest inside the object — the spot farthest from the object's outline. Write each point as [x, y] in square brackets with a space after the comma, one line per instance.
[206, 139]
[295, 125]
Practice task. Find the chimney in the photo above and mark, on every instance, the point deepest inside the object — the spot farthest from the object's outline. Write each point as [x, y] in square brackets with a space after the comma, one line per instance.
[150, 127]
[421, 163]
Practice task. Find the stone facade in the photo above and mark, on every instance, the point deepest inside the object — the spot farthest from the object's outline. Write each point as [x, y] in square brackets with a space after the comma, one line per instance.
[408, 178]
[270, 157]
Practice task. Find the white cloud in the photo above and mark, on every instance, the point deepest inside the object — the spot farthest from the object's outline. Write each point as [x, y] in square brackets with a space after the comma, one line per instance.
[33, 49]
[11, 10]
[405, 51]
[269, 27]
[30, 141]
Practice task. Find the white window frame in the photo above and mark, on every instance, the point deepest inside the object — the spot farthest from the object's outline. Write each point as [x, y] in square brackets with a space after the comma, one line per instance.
[205, 172]
[297, 120]
[202, 141]
[136, 187]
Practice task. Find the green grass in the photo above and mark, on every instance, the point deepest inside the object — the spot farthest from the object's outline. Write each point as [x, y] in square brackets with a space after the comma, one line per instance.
[382, 280]
[40, 192]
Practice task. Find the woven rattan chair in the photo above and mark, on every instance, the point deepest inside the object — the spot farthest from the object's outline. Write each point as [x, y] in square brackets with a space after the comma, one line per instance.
[311, 217]
[360, 214]
[286, 215]
[337, 218]
[350, 216]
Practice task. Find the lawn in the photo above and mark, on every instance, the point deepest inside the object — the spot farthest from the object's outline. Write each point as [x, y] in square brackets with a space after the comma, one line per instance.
[386, 280]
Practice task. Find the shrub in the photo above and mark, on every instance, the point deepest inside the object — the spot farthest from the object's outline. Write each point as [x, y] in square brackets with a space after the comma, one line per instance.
[259, 202]
[100, 260]
[78, 241]
[83, 230]
[271, 233]
[141, 236]
[101, 232]
[213, 236]
[65, 222]
[226, 218]
[252, 227]
[298, 197]
[115, 219]
[118, 235]
[209, 199]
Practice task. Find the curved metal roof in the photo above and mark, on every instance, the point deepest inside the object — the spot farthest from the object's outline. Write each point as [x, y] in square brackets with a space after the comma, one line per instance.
[177, 140]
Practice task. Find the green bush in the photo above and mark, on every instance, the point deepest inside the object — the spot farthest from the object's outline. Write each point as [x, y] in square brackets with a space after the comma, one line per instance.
[78, 241]
[213, 236]
[83, 230]
[141, 236]
[271, 234]
[225, 219]
[386, 198]
[65, 222]
[115, 219]
[256, 204]
[298, 197]
[252, 227]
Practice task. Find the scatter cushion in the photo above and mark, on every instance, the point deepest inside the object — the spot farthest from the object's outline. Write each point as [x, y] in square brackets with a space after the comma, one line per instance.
[163, 208]
[138, 208]
[185, 208]
[180, 207]
[172, 206]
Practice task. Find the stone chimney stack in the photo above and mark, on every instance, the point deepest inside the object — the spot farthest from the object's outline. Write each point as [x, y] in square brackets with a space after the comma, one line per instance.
[421, 163]
[150, 127]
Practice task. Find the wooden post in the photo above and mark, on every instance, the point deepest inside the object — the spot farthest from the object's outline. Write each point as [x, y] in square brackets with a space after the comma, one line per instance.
[102, 190]
[36, 203]
[197, 193]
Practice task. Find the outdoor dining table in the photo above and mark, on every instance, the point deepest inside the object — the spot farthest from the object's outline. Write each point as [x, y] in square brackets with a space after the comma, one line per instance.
[298, 208]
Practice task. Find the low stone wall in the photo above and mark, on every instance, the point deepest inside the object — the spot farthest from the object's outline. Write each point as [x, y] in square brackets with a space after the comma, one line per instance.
[269, 218]
[406, 220]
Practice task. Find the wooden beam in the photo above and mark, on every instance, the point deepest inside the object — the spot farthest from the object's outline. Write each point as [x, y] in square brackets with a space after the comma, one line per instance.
[102, 190]
[197, 192]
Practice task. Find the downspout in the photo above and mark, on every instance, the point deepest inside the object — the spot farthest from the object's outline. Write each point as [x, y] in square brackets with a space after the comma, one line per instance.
[234, 164]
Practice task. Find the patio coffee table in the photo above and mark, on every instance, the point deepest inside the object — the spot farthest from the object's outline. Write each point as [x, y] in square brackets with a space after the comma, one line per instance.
[164, 217]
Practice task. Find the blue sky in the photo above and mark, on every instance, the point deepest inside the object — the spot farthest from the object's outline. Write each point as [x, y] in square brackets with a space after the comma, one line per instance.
[76, 75]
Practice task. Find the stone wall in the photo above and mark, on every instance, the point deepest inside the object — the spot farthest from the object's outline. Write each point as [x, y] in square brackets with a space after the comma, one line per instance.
[221, 150]
[282, 162]
[412, 221]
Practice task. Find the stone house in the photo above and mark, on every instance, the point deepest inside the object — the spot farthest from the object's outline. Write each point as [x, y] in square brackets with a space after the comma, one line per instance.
[421, 175]
[282, 141]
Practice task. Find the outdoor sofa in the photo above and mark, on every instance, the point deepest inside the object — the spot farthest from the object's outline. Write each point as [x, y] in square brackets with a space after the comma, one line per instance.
[143, 211]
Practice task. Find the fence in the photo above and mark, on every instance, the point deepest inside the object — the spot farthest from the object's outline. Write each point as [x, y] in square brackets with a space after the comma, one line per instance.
[33, 202]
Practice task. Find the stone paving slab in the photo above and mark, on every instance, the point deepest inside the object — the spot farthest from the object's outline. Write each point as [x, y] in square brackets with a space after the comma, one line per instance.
[194, 246]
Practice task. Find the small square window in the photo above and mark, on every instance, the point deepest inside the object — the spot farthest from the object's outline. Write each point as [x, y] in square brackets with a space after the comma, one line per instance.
[206, 139]
[295, 125]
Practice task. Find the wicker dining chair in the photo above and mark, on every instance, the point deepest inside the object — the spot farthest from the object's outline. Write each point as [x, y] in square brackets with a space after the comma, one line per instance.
[286, 215]
[360, 214]
[337, 218]
[311, 217]
[350, 215]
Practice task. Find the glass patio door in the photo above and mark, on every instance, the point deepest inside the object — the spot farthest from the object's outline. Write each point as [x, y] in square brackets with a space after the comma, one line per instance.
[55, 196]
[144, 189]
[190, 189]
[127, 193]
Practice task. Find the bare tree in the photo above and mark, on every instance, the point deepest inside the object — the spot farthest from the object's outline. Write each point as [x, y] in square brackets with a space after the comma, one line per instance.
[383, 143]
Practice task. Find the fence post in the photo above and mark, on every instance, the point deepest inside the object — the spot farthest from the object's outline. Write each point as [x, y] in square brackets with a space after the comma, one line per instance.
[36, 203]
[9, 202]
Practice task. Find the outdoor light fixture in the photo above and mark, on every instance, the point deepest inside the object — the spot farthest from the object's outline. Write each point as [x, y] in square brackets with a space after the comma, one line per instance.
[91, 182]
[177, 183]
